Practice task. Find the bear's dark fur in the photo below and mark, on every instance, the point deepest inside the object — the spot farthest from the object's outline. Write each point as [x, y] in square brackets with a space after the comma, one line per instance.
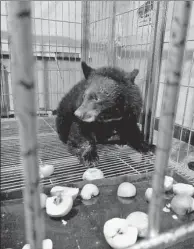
[106, 102]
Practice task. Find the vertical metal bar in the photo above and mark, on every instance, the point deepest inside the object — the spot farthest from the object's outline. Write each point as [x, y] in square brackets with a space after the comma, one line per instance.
[190, 133]
[112, 28]
[97, 31]
[5, 100]
[184, 112]
[10, 74]
[36, 58]
[154, 85]
[57, 72]
[46, 85]
[174, 72]
[149, 81]
[85, 30]
[95, 34]
[69, 71]
[63, 45]
[146, 49]
[51, 94]
[75, 49]
[136, 47]
[25, 106]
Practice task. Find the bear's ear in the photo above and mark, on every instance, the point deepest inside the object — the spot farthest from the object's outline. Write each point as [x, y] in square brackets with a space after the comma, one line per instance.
[133, 74]
[86, 69]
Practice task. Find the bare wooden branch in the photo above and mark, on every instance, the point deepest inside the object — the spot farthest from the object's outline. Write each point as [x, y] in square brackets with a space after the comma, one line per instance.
[168, 110]
[23, 82]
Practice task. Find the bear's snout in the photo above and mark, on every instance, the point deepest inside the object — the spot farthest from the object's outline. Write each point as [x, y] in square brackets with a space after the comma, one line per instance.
[89, 116]
[78, 114]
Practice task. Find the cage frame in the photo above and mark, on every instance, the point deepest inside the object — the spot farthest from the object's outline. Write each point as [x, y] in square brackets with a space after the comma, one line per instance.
[155, 240]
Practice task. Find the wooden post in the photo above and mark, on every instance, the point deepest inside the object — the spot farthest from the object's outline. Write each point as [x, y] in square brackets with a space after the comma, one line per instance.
[22, 62]
[173, 77]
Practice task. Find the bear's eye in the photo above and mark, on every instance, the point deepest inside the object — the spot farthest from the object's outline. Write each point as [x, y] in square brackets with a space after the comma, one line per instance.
[93, 97]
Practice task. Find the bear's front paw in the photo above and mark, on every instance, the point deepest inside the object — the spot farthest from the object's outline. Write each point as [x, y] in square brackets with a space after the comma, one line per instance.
[148, 148]
[89, 157]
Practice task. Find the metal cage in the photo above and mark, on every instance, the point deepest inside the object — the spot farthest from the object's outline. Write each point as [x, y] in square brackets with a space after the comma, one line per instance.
[119, 33]
[125, 34]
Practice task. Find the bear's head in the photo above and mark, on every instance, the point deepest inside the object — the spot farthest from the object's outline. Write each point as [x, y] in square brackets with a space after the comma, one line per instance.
[104, 97]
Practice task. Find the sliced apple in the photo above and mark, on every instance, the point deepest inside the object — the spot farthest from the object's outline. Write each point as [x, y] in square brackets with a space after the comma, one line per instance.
[46, 170]
[126, 189]
[92, 174]
[168, 183]
[182, 204]
[140, 221]
[183, 189]
[43, 199]
[118, 234]
[59, 206]
[46, 244]
[148, 194]
[73, 192]
[88, 191]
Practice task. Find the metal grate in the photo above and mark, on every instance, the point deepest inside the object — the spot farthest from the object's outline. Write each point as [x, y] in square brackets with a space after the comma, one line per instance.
[114, 160]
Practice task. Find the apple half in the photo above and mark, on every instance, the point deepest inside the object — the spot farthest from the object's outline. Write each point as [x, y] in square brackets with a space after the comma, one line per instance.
[140, 221]
[73, 192]
[118, 233]
[46, 170]
[183, 189]
[46, 244]
[126, 189]
[92, 174]
[88, 191]
[182, 204]
[59, 206]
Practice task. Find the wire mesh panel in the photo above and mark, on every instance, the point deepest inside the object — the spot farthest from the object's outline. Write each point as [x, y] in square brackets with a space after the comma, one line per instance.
[134, 25]
[131, 38]
[119, 33]
[183, 142]
[57, 51]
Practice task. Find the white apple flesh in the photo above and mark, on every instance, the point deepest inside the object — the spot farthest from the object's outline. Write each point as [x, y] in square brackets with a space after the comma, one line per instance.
[168, 183]
[73, 192]
[93, 174]
[46, 244]
[148, 194]
[43, 199]
[46, 170]
[140, 221]
[126, 189]
[88, 191]
[183, 189]
[118, 234]
[182, 204]
[59, 206]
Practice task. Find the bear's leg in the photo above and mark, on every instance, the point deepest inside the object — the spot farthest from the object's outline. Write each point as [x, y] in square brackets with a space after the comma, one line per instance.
[81, 143]
[130, 134]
